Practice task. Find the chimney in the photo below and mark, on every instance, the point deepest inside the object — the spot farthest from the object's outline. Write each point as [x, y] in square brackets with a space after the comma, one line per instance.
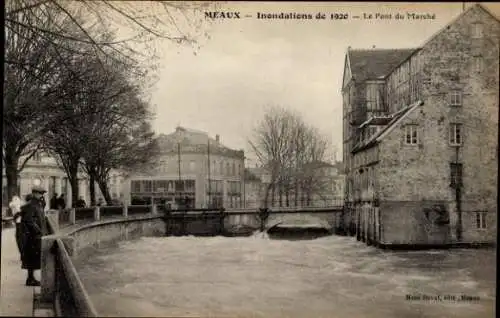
[217, 138]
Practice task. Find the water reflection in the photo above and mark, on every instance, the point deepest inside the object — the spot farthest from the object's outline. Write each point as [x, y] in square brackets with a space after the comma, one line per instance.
[261, 277]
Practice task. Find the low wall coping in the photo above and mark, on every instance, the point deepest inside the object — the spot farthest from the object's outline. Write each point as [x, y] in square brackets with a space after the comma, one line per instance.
[72, 229]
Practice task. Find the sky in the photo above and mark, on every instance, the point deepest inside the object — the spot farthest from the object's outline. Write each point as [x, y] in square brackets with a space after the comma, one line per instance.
[249, 63]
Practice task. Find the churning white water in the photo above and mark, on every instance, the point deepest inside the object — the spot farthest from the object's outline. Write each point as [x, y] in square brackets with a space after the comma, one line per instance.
[260, 277]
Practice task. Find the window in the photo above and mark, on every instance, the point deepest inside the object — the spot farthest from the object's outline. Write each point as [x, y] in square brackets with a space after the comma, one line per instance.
[477, 64]
[214, 186]
[221, 168]
[455, 174]
[147, 186]
[161, 186]
[190, 185]
[455, 134]
[192, 165]
[234, 169]
[179, 185]
[477, 30]
[228, 169]
[373, 94]
[481, 220]
[456, 98]
[411, 134]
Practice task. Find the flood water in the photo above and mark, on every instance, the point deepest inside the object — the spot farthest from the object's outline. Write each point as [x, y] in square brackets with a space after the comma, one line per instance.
[256, 276]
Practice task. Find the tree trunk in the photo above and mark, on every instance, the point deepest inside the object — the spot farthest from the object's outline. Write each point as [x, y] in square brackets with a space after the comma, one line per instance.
[73, 179]
[12, 177]
[273, 190]
[280, 192]
[302, 194]
[266, 196]
[296, 197]
[92, 189]
[103, 186]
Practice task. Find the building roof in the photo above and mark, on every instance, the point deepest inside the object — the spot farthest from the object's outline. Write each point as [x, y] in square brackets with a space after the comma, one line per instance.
[366, 64]
[397, 117]
[377, 120]
[192, 140]
[373, 64]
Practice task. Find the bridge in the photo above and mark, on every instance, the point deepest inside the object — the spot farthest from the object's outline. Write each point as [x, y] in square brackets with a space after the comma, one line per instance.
[234, 222]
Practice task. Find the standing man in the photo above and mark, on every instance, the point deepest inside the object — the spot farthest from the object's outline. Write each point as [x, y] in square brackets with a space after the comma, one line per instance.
[61, 202]
[53, 202]
[33, 228]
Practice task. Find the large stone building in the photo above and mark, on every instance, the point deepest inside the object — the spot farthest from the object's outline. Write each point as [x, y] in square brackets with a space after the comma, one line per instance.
[420, 137]
[193, 170]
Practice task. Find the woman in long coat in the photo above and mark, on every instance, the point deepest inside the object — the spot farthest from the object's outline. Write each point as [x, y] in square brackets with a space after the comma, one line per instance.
[32, 228]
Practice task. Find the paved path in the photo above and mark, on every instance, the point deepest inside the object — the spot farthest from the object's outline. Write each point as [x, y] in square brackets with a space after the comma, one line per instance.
[16, 298]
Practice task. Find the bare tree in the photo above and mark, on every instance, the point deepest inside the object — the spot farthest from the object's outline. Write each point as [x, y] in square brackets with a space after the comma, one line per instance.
[290, 151]
[44, 38]
[31, 71]
[134, 25]
[121, 140]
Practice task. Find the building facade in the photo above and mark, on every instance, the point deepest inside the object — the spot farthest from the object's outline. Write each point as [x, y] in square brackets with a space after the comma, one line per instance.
[253, 188]
[194, 170]
[45, 169]
[420, 137]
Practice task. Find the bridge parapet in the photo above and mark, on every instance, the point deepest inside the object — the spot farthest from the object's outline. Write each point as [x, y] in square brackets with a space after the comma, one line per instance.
[329, 218]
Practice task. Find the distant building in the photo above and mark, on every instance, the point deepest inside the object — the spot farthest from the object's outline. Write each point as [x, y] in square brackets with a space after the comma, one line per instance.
[323, 188]
[253, 188]
[193, 170]
[420, 137]
[329, 182]
[45, 169]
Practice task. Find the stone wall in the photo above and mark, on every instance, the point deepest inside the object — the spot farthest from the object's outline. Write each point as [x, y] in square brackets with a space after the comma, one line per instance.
[411, 175]
[107, 232]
